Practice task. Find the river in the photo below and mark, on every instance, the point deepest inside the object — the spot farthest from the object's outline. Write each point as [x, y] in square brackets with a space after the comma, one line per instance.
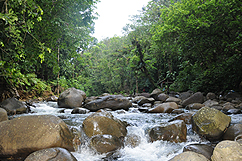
[140, 124]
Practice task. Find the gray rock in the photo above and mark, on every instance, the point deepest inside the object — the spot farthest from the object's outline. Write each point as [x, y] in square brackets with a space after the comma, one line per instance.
[203, 149]
[79, 110]
[195, 98]
[71, 98]
[114, 102]
[13, 106]
[232, 132]
[210, 103]
[194, 106]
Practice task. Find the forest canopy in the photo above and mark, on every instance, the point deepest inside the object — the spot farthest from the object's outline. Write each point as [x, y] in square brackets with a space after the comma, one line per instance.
[47, 45]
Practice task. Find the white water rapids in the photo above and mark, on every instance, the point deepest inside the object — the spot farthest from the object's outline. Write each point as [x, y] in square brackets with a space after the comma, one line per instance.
[140, 124]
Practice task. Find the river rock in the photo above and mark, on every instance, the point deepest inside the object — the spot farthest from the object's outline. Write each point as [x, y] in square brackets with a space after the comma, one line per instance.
[210, 123]
[3, 115]
[195, 98]
[174, 99]
[71, 98]
[51, 154]
[175, 131]
[203, 149]
[167, 107]
[227, 106]
[189, 155]
[227, 150]
[233, 111]
[185, 95]
[13, 106]
[79, 110]
[52, 98]
[210, 96]
[114, 102]
[194, 106]
[210, 103]
[186, 117]
[232, 132]
[26, 134]
[145, 100]
[155, 93]
[105, 143]
[101, 123]
[162, 97]
[132, 140]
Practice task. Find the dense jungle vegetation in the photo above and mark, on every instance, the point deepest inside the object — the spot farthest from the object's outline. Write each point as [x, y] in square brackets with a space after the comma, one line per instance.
[47, 45]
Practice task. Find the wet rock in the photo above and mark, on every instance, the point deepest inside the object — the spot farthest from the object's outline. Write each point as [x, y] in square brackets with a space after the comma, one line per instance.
[227, 106]
[101, 123]
[79, 110]
[175, 131]
[232, 132]
[195, 98]
[233, 111]
[191, 155]
[162, 97]
[174, 99]
[210, 123]
[26, 134]
[167, 107]
[114, 102]
[53, 154]
[194, 106]
[185, 95]
[210, 103]
[210, 96]
[149, 105]
[186, 117]
[132, 140]
[105, 143]
[227, 150]
[3, 115]
[145, 100]
[203, 149]
[71, 98]
[147, 95]
[155, 93]
[13, 106]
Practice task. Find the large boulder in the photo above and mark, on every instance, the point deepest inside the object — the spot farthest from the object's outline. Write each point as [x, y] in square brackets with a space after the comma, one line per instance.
[232, 132]
[105, 143]
[210, 123]
[189, 155]
[175, 131]
[203, 149]
[227, 150]
[101, 123]
[3, 115]
[13, 106]
[71, 98]
[114, 102]
[167, 107]
[195, 98]
[26, 134]
[51, 154]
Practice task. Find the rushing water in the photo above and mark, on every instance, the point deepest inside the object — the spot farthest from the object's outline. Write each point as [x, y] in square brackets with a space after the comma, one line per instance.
[140, 124]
